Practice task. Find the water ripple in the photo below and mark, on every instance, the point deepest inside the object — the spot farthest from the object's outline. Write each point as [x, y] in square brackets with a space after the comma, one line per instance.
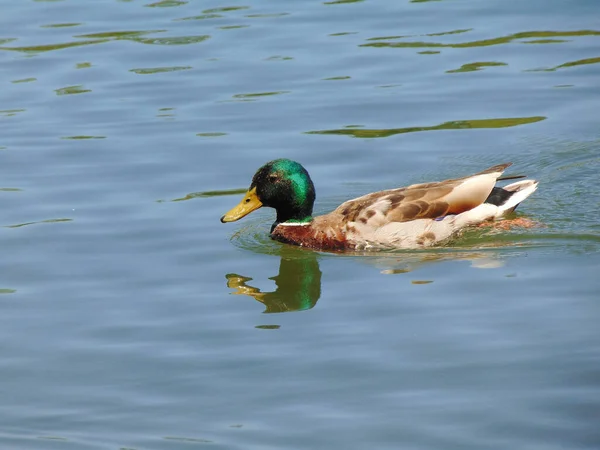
[50, 47]
[103, 37]
[19, 225]
[580, 62]
[479, 43]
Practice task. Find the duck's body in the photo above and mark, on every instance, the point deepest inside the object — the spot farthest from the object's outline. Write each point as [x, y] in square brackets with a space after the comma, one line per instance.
[416, 216]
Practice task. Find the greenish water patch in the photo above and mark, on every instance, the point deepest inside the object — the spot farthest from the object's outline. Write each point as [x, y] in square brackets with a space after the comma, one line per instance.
[50, 47]
[186, 439]
[344, 33]
[119, 34]
[225, 9]
[429, 52]
[24, 80]
[83, 65]
[151, 70]
[7, 291]
[166, 112]
[546, 41]
[472, 67]
[166, 4]
[10, 189]
[182, 40]
[480, 43]
[268, 327]
[279, 58]
[337, 78]
[446, 33]
[338, 2]
[233, 27]
[259, 94]
[213, 134]
[82, 137]
[70, 90]
[266, 16]
[11, 112]
[98, 38]
[61, 25]
[579, 62]
[454, 125]
[38, 222]
[208, 194]
[442, 33]
[200, 17]
[389, 38]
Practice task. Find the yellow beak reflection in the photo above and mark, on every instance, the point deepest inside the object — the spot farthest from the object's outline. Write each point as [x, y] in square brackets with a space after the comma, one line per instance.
[249, 203]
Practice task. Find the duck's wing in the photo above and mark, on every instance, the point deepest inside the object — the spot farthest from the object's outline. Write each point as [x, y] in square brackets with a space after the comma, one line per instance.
[421, 201]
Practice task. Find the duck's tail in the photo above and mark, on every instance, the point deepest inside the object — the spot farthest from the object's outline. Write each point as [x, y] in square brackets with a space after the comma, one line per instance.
[507, 198]
[502, 200]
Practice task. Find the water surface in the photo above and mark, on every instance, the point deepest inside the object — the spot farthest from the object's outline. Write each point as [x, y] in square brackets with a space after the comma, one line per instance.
[131, 318]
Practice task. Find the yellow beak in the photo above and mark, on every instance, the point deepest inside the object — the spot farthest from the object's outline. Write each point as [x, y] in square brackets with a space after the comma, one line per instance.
[249, 203]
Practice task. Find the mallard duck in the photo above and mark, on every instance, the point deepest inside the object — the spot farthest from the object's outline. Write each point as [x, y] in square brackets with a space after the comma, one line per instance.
[417, 216]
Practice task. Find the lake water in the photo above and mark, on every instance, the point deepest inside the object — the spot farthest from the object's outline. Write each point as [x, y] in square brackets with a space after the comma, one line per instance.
[131, 318]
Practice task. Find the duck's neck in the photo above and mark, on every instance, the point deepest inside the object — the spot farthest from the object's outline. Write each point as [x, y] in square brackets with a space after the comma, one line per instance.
[298, 218]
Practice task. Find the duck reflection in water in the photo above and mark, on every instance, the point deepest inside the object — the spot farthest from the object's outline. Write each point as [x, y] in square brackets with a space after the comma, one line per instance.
[298, 285]
[299, 279]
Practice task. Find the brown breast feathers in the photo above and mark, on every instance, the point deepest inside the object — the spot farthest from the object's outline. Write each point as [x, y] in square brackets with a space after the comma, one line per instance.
[311, 236]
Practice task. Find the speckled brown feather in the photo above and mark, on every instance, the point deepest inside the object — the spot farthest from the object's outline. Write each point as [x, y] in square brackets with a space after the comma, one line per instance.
[420, 201]
[322, 233]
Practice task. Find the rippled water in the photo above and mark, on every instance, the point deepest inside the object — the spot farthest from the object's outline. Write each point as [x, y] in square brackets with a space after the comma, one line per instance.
[131, 318]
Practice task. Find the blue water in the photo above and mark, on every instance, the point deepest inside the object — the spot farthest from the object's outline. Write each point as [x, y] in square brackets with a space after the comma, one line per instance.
[131, 318]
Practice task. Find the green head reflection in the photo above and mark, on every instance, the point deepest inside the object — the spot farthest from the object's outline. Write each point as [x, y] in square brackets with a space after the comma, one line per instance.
[298, 285]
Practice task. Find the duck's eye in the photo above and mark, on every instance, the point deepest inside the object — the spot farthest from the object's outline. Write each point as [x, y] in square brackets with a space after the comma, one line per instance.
[273, 178]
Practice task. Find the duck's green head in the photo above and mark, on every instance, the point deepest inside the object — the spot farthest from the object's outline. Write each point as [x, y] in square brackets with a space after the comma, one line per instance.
[281, 184]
